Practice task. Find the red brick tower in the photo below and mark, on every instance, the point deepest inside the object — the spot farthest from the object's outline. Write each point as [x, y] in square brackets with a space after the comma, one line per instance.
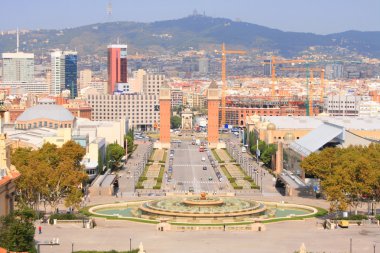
[213, 115]
[165, 106]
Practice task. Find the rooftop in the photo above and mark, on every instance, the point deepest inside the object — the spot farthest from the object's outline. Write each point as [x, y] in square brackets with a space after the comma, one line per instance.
[53, 112]
[307, 122]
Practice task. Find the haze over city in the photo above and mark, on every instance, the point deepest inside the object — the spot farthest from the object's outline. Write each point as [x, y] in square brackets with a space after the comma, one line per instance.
[321, 17]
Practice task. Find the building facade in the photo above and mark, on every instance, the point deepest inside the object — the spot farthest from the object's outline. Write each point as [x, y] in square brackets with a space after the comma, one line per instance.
[71, 72]
[177, 98]
[64, 71]
[117, 66]
[344, 105]
[8, 175]
[18, 67]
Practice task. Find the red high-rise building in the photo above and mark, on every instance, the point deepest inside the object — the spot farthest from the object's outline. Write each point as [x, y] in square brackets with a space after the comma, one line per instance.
[117, 66]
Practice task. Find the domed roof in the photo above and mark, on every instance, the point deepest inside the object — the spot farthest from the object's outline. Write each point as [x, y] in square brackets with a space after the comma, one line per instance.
[271, 126]
[289, 137]
[53, 112]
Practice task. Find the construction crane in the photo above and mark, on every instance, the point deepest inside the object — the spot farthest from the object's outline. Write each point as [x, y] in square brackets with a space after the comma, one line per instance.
[275, 62]
[309, 85]
[224, 53]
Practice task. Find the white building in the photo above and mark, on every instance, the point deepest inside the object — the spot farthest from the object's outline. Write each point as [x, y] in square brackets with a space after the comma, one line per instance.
[142, 109]
[344, 105]
[369, 109]
[57, 73]
[30, 87]
[18, 67]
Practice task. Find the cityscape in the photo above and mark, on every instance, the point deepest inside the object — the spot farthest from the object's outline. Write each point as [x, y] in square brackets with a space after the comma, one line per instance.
[161, 131]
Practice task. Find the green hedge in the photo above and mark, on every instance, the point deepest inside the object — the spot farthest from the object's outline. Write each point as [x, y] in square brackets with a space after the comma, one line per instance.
[236, 187]
[353, 217]
[64, 216]
[377, 217]
[216, 156]
[159, 178]
[157, 186]
[231, 179]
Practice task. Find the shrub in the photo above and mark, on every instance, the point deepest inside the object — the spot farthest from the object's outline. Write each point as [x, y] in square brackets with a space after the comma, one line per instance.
[231, 179]
[377, 217]
[64, 216]
[354, 217]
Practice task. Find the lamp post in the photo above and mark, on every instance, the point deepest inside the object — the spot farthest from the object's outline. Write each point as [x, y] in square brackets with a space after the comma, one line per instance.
[130, 243]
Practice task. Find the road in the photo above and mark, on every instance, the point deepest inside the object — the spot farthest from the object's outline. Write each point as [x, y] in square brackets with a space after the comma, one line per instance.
[188, 170]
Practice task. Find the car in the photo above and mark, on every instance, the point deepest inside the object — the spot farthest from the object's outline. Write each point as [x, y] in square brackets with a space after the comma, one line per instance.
[203, 159]
[191, 189]
[204, 167]
[210, 179]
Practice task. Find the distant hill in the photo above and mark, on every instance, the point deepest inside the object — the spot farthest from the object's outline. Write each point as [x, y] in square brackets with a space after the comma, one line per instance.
[199, 32]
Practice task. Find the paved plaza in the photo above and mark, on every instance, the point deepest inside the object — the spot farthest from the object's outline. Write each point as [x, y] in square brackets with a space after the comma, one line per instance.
[279, 237]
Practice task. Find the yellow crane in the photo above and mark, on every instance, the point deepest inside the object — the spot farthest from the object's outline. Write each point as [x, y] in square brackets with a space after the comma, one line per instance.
[275, 62]
[224, 53]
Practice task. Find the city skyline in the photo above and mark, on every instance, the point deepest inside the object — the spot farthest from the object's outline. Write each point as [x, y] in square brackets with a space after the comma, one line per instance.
[323, 17]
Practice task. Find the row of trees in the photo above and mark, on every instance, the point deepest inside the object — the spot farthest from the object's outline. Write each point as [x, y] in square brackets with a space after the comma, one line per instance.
[266, 150]
[347, 176]
[49, 175]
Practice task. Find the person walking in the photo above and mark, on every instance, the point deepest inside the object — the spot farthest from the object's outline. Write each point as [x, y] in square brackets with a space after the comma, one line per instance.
[39, 229]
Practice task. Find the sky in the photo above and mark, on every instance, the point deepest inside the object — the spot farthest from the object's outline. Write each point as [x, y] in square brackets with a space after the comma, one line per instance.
[316, 16]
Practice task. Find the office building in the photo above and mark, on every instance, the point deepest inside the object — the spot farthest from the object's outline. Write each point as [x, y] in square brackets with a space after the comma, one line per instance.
[267, 68]
[334, 71]
[18, 67]
[117, 66]
[344, 105]
[64, 70]
[141, 109]
[203, 66]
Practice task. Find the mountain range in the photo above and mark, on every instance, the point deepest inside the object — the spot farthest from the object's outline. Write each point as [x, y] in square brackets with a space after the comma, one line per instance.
[197, 31]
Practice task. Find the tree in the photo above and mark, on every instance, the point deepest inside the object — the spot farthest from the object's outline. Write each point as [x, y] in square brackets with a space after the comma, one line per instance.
[347, 175]
[130, 144]
[49, 174]
[17, 231]
[267, 154]
[114, 153]
[175, 122]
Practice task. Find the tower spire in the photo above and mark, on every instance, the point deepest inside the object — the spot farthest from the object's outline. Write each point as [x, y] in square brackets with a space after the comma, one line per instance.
[18, 41]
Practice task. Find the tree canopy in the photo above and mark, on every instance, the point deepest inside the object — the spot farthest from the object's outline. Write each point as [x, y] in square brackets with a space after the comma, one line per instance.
[114, 153]
[347, 175]
[175, 121]
[49, 174]
[17, 231]
[266, 150]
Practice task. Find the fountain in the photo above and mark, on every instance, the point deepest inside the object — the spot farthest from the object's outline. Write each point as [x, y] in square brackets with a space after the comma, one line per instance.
[202, 209]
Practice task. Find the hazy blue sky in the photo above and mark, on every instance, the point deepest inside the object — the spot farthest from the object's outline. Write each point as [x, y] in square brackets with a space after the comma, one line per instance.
[318, 16]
